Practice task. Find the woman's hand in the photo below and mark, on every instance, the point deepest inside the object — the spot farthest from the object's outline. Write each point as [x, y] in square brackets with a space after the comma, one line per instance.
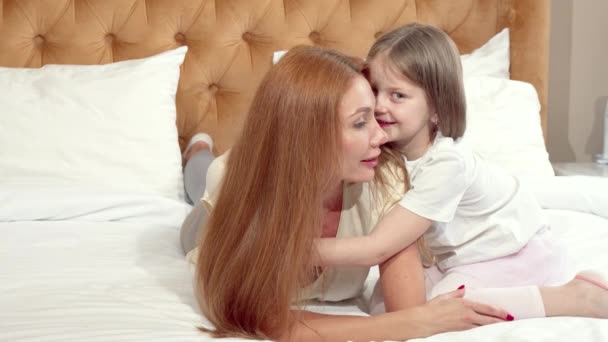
[451, 312]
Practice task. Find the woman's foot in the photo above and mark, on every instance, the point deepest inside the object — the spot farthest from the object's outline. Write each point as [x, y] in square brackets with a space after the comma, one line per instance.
[198, 142]
[586, 296]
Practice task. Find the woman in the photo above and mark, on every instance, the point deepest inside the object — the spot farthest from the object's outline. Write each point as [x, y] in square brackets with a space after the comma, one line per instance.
[299, 171]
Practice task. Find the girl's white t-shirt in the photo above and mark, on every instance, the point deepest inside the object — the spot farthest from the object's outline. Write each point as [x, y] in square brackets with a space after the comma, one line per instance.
[335, 283]
[479, 212]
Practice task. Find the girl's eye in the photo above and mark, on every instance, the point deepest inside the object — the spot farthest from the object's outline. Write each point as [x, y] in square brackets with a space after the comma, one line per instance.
[398, 96]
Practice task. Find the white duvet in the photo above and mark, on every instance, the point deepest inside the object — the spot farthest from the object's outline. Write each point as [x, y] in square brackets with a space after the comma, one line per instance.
[88, 265]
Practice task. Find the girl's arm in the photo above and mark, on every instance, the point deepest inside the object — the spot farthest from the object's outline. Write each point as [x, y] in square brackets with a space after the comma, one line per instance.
[397, 230]
[402, 280]
[448, 312]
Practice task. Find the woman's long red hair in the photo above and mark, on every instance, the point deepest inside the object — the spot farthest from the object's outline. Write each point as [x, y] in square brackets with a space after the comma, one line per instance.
[255, 254]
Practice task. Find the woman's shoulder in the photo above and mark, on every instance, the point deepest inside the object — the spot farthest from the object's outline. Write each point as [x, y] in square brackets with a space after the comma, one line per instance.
[218, 165]
[215, 174]
[221, 160]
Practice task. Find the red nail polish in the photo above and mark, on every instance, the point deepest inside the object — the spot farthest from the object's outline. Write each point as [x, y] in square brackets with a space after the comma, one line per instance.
[461, 287]
[510, 318]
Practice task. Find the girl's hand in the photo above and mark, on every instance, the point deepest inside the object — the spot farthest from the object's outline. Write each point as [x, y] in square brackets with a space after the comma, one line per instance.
[451, 312]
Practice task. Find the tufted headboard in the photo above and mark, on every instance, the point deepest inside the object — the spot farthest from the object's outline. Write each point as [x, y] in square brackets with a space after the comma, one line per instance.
[231, 41]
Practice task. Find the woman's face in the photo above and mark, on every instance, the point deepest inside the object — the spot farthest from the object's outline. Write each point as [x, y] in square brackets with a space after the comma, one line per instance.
[361, 134]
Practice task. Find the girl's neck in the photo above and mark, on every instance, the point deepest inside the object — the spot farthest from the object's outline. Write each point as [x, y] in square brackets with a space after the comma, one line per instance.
[414, 150]
[417, 146]
[333, 199]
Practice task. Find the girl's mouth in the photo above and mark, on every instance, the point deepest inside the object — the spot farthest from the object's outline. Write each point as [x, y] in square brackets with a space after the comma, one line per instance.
[384, 123]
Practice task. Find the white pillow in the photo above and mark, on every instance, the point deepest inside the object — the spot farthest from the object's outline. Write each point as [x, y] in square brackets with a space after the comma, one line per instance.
[491, 59]
[97, 126]
[278, 55]
[503, 125]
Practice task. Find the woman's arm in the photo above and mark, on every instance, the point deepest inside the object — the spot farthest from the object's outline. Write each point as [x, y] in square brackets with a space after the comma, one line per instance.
[402, 280]
[395, 231]
[448, 312]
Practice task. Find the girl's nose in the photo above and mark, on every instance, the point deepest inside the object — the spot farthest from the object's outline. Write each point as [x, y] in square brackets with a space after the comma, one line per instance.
[380, 107]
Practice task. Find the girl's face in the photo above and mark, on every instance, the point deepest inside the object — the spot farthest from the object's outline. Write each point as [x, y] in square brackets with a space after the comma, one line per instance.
[402, 109]
[361, 134]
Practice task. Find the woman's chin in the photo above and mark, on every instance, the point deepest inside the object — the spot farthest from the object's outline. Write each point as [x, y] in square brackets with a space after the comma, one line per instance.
[362, 177]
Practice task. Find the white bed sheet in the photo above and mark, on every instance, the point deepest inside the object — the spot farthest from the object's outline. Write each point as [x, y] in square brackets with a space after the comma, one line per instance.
[587, 237]
[95, 273]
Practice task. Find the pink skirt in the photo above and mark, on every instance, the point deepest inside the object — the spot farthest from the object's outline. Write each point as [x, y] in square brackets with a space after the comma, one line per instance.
[543, 261]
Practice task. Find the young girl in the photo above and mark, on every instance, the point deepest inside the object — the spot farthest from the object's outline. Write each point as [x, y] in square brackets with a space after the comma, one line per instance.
[483, 229]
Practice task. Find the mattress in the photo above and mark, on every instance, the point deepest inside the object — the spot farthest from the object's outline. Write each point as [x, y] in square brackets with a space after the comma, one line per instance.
[87, 265]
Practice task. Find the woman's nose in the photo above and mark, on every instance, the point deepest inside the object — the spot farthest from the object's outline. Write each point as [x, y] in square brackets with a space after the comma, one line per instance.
[379, 136]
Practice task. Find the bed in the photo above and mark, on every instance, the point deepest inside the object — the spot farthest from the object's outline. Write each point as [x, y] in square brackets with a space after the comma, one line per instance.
[90, 170]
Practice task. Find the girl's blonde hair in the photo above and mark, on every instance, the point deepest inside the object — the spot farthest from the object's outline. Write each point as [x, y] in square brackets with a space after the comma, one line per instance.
[429, 58]
[256, 252]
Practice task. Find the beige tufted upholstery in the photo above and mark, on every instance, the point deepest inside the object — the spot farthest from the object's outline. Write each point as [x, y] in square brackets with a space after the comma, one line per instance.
[231, 41]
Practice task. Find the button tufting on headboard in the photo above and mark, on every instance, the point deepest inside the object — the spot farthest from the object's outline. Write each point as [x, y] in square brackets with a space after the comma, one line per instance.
[231, 42]
[315, 36]
[180, 38]
[39, 40]
[248, 37]
[110, 38]
[213, 88]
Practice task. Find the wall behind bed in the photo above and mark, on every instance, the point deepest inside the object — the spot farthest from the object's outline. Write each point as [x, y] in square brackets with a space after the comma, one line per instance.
[578, 79]
[231, 41]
